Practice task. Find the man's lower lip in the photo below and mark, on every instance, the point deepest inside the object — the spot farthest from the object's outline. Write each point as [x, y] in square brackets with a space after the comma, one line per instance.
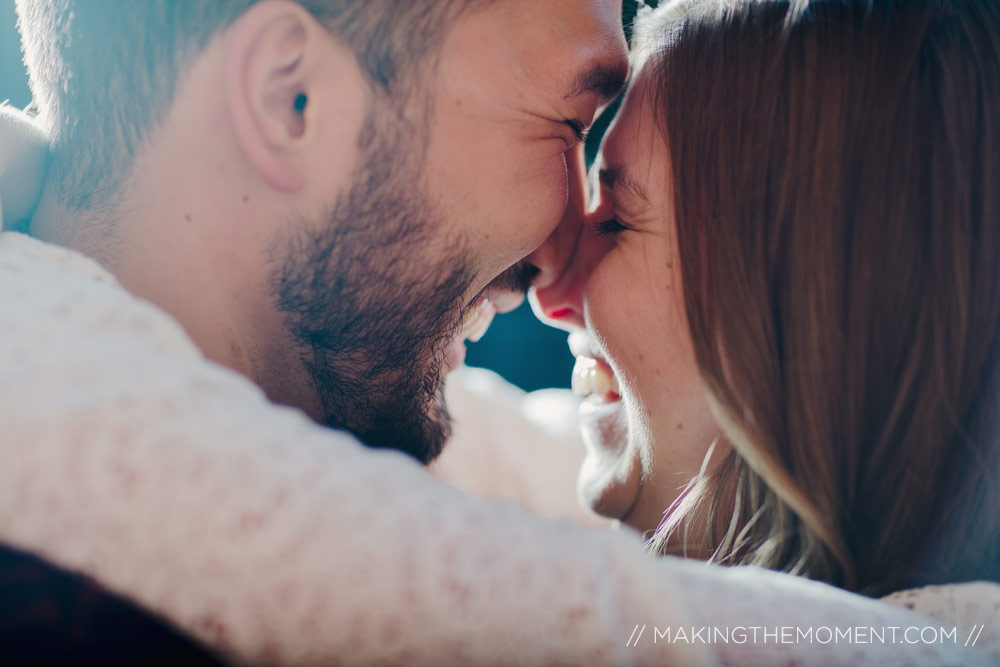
[454, 354]
[505, 300]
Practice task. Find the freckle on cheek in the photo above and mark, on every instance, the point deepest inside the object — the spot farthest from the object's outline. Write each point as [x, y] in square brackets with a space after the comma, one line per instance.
[680, 427]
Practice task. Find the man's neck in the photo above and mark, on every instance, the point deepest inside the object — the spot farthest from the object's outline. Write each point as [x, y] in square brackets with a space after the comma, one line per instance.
[75, 230]
[141, 256]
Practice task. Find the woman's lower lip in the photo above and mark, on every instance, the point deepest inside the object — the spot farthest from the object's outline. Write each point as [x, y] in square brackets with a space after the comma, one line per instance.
[602, 424]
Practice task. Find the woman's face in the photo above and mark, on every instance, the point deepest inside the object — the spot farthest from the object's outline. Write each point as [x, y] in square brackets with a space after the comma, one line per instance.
[611, 274]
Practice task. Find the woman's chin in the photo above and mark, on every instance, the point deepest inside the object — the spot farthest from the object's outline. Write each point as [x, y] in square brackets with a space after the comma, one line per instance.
[610, 476]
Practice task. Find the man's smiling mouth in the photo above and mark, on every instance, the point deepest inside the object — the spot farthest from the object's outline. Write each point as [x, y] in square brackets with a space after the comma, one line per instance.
[476, 322]
[478, 319]
[505, 293]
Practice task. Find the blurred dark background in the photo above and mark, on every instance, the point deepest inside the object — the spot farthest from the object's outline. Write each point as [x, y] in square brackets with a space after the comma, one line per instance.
[517, 346]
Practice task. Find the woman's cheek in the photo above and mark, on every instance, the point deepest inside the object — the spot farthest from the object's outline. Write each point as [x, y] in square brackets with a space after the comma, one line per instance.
[606, 306]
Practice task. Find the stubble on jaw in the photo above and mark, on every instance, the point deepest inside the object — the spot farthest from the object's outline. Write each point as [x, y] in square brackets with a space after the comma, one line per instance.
[368, 306]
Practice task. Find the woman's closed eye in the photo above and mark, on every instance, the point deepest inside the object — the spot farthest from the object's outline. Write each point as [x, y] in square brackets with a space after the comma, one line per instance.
[610, 227]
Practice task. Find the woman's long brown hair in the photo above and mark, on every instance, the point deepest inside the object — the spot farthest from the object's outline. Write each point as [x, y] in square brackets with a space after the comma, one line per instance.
[836, 174]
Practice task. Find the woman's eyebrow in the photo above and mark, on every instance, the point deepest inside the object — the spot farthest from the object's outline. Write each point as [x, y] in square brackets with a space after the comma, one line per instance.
[617, 176]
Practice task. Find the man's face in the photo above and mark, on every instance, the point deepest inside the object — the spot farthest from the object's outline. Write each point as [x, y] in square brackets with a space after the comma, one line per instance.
[444, 205]
[516, 85]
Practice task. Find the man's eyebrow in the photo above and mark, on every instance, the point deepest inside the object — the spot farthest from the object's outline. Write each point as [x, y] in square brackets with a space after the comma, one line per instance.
[605, 78]
[618, 177]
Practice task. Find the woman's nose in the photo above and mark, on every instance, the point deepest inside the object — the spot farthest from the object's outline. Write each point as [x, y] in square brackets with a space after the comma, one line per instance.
[566, 258]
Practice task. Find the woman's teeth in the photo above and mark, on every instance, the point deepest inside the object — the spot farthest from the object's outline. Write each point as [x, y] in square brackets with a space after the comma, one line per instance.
[478, 320]
[592, 377]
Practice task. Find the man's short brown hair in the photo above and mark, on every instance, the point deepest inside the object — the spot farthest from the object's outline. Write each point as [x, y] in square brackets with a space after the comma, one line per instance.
[104, 72]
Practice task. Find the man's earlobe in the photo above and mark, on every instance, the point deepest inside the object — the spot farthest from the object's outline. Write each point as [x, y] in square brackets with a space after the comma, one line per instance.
[266, 89]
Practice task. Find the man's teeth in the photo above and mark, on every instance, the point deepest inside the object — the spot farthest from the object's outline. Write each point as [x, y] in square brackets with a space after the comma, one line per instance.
[591, 377]
[478, 320]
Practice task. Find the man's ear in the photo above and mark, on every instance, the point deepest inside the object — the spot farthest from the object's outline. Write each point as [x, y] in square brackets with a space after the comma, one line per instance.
[269, 71]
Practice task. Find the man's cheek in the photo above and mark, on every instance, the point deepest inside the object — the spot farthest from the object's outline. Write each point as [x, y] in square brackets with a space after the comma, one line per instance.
[542, 202]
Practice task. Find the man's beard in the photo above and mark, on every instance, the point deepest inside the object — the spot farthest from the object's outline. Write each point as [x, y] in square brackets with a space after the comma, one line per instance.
[369, 306]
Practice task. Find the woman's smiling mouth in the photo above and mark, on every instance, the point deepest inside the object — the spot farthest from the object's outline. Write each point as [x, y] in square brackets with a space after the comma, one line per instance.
[592, 376]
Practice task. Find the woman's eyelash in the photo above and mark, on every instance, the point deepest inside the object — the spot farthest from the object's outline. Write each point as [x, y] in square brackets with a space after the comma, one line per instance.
[610, 227]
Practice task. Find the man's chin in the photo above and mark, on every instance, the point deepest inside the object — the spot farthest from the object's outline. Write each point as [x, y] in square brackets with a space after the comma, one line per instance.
[404, 427]
[438, 415]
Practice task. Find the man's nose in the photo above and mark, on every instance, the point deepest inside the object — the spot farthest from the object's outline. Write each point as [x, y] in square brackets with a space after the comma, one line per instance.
[566, 258]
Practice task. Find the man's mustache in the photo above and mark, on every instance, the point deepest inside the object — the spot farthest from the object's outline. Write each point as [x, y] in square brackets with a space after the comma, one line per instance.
[517, 278]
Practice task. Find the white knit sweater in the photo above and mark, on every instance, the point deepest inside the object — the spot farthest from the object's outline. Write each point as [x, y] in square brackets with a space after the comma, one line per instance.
[125, 455]
[527, 448]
